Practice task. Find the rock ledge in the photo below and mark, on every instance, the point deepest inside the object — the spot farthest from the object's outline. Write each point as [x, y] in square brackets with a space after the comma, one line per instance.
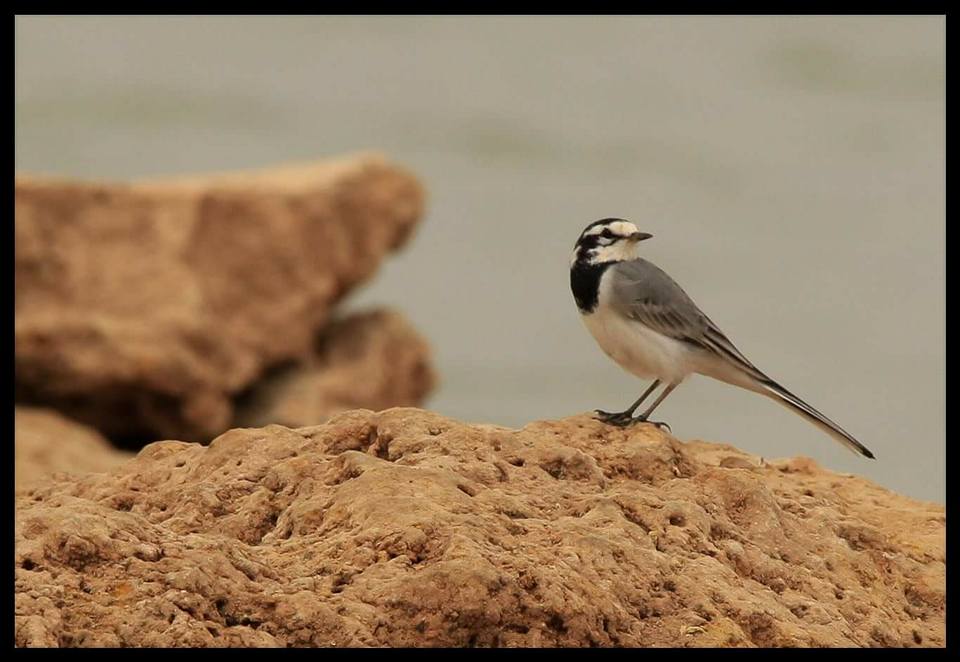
[143, 308]
[405, 528]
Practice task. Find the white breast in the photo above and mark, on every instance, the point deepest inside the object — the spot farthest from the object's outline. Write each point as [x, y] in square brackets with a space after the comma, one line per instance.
[638, 349]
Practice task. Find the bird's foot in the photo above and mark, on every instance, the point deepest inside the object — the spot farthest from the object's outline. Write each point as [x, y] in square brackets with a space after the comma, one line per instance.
[621, 418]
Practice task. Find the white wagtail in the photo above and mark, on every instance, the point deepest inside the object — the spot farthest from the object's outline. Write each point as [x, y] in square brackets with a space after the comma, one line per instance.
[646, 323]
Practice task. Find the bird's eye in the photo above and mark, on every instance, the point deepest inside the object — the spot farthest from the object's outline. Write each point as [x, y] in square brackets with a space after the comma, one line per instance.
[606, 233]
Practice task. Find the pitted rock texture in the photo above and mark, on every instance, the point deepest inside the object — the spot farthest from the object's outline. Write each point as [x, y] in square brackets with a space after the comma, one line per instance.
[371, 360]
[142, 308]
[405, 528]
[48, 443]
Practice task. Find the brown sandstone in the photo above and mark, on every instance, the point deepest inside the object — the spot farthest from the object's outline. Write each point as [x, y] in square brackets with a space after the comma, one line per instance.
[405, 528]
[372, 360]
[143, 308]
[48, 443]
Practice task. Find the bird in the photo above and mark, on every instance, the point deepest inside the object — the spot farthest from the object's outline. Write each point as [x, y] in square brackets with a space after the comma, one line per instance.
[646, 323]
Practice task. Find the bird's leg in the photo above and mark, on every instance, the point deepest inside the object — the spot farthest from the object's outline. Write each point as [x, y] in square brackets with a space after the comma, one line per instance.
[642, 418]
[623, 418]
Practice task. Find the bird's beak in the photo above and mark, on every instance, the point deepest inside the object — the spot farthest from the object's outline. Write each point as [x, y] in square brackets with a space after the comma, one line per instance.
[639, 236]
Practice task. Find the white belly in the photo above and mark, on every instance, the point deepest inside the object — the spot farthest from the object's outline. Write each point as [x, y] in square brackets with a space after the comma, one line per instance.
[637, 349]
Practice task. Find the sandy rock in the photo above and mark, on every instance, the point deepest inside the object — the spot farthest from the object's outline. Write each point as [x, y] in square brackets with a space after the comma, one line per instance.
[142, 308]
[48, 443]
[405, 528]
[371, 360]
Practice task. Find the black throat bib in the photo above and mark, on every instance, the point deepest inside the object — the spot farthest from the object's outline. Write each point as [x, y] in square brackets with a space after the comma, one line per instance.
[585, 283]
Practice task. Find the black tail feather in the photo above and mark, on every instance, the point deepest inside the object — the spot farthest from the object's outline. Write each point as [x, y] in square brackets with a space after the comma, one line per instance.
[792, 402]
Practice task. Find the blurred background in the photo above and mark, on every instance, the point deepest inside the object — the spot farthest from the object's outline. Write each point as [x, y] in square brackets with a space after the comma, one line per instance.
[792, 171]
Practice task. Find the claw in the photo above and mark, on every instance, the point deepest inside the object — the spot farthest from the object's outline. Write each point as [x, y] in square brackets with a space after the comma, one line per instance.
[659, 424]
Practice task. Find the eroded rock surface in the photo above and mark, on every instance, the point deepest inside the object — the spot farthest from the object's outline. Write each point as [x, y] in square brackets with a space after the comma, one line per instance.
[48, 443]
[143, 308]
[405, 528]
[372, 360]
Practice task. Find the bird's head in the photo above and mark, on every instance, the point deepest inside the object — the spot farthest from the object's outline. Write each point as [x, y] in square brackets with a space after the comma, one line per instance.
[608, 240]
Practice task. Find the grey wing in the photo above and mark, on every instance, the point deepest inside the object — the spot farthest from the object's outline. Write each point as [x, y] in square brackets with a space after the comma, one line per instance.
[645, 293]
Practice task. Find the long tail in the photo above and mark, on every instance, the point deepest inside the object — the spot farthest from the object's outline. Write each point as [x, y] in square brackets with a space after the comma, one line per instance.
[734, 368]
[781, 395]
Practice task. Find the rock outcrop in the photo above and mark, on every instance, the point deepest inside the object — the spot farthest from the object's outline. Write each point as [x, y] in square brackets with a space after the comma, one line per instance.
[143, 309]
[405, 528]
[48, 443]
[371, 360]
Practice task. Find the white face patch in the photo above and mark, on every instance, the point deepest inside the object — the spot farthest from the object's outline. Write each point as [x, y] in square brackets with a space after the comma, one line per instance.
[616, 252]
[612, 248]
